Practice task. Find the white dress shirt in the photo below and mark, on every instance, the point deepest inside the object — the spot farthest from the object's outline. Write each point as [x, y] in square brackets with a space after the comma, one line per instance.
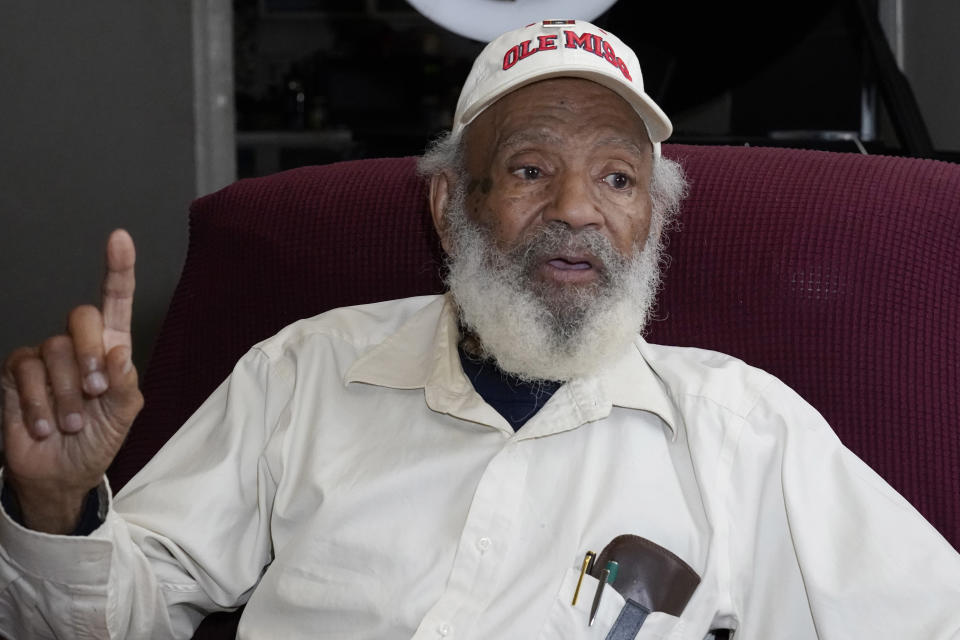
[346, 481]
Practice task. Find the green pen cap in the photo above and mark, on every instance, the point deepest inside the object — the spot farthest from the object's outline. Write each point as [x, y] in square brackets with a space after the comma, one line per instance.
[613, 566]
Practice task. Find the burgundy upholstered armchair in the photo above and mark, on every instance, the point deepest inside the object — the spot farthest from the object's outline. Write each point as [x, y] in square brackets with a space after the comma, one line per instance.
[838, 273]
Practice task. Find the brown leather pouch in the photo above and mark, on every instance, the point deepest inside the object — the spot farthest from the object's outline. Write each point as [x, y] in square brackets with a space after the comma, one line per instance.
[649, 574]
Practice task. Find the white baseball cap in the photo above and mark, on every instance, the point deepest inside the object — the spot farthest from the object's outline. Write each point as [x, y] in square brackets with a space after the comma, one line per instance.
[552, 49]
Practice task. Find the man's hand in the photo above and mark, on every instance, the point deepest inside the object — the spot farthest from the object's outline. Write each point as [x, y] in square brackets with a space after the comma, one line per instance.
[68, 404]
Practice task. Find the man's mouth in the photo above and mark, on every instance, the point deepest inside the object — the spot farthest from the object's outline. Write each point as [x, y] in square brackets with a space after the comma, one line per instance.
[566, 264]
[570, 269]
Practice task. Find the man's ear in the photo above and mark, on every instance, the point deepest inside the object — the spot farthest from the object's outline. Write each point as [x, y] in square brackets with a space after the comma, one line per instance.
[441, 188]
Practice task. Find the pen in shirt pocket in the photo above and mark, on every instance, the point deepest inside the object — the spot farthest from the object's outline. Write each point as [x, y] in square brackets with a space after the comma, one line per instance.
[607, 575]
[585, 568]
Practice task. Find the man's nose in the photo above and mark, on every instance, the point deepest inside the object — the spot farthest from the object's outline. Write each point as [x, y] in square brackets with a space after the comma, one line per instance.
[574, 202]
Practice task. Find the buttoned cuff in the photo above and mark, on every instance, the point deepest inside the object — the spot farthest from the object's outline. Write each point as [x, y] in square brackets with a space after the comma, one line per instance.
[63, 559]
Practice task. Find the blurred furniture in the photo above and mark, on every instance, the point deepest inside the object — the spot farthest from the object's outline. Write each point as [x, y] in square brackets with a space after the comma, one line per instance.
[839, 273]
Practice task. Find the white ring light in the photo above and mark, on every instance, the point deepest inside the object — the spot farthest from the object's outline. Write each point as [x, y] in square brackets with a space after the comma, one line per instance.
[484, 20]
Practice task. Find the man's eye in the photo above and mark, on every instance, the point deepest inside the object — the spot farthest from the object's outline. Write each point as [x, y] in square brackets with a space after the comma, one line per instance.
[617, 180]
[528, 173]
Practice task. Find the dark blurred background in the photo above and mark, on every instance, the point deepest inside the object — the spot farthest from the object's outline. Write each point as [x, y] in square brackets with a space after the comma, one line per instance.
[118, 113]
[360, 79]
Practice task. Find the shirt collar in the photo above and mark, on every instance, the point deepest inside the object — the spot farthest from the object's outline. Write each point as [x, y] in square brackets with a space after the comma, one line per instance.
[423, 354]
[406, 358]
[633, 384]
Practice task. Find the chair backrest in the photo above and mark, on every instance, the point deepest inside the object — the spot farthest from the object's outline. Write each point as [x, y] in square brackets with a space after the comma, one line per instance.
[838, 273]
[265, 252]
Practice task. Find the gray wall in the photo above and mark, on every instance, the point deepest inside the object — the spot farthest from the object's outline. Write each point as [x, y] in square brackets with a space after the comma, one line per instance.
[931, 61]
[96, 132]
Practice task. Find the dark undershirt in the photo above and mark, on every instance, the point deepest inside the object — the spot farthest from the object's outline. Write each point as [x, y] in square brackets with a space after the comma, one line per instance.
[514, 399]
[89, 519]
[517, 401]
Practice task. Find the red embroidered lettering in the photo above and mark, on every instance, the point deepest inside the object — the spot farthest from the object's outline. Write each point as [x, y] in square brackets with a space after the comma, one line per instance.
[547, 42]
[573, 41]
[608, 53]
[596, 42]
[587, 41]
[510, 57]
[596, 45]
[525, 51]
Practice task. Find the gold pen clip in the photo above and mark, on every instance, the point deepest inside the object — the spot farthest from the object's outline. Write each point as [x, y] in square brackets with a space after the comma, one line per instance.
[584, 569]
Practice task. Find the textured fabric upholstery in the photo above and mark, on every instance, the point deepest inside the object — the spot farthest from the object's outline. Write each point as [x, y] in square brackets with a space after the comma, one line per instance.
[836, 272]
[265, 252]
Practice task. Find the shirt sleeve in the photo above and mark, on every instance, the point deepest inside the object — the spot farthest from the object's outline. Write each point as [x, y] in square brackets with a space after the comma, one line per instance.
[833, 551]
[187, 536]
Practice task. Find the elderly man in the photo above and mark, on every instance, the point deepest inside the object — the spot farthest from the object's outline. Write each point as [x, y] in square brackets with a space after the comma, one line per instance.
[448, 467]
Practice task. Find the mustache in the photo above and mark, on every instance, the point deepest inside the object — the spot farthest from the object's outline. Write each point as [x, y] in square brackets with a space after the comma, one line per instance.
[556, 238]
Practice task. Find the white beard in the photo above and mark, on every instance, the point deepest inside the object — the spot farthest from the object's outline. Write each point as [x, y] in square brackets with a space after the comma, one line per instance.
[538, 331]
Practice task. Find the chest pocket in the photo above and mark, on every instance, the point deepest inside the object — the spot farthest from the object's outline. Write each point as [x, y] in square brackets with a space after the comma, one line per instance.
[567, 621]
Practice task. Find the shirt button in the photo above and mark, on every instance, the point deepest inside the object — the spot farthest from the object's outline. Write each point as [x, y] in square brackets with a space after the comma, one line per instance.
[484, 543]
[444, 629]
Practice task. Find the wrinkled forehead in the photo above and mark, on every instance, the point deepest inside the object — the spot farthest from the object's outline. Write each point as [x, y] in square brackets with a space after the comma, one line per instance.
[558, 111]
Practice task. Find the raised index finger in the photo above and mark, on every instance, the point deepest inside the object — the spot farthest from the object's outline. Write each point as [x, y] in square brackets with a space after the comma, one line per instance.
[118, 286]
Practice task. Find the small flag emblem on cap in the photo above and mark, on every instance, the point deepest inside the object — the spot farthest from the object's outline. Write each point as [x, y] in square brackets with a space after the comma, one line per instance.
[558, 23]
